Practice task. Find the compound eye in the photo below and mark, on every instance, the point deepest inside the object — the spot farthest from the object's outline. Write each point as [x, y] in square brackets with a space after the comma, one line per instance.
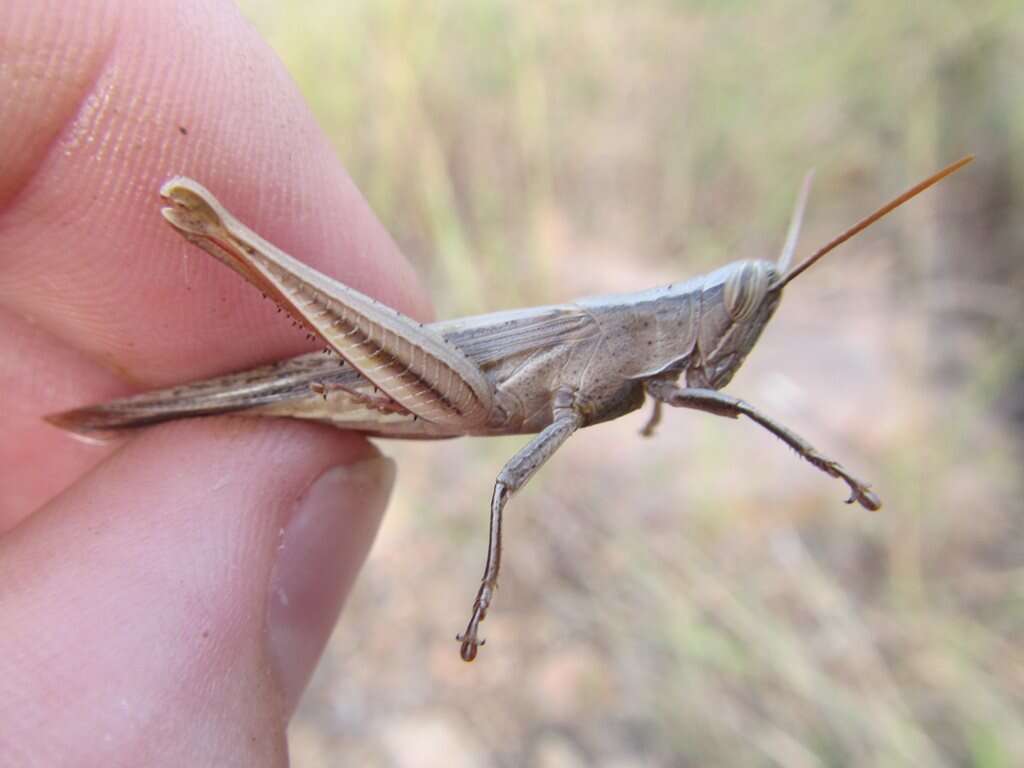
[744, 289]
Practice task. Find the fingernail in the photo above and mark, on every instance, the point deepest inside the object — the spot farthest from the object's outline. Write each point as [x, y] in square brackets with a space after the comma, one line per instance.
[323, 546]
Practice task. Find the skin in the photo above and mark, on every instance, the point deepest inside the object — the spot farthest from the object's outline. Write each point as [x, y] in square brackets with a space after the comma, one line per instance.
[140, 581]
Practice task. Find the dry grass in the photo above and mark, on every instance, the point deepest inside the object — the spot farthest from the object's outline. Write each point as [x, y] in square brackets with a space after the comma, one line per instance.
[701, 598]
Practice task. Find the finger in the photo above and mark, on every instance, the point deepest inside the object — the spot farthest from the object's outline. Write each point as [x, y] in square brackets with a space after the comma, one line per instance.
[133, 93]
[173, 602]
[103, 101]
[37, 460]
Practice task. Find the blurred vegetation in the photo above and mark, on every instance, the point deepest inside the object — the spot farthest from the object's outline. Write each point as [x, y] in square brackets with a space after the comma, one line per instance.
[701, 599]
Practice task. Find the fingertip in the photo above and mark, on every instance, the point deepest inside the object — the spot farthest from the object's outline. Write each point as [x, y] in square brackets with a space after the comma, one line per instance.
[145, 585]
[126, 122]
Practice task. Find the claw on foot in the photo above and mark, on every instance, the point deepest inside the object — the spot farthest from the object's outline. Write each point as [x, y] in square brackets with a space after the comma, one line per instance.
[859, 492]
[469, 647]
[470, 641]
[864, 496]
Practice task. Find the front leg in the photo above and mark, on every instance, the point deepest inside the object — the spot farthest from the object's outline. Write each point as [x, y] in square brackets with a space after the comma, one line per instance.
[653, 421]
[515, 474]
[721, 404]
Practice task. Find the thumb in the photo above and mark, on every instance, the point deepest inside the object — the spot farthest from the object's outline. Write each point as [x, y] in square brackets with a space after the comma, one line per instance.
[174, 601]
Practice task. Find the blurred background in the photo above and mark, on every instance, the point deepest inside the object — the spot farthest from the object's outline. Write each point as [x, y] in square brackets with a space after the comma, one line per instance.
[703, 597]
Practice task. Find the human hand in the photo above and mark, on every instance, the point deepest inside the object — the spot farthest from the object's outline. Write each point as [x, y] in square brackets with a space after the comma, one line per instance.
[165, 598]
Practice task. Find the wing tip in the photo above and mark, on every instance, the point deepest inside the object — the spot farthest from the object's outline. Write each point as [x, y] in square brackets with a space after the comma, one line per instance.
[82, 420]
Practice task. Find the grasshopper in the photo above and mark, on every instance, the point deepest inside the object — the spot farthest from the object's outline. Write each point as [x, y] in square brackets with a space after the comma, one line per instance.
[546, 371]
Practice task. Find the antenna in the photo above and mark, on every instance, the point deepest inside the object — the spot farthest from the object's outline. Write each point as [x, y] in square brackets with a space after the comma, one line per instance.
[795, 222]
[863, 224]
